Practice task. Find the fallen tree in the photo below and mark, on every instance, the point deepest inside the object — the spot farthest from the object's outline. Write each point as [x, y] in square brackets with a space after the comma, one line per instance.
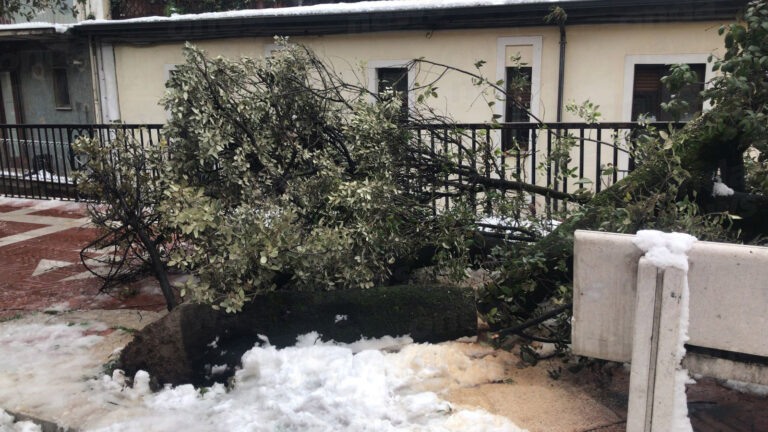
[675, 188]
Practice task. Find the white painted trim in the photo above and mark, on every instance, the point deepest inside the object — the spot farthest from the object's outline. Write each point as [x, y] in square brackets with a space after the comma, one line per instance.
[629, 83]
[108, 91]
[373, 76]
[535, 42]
[629, 74]
[501, 62]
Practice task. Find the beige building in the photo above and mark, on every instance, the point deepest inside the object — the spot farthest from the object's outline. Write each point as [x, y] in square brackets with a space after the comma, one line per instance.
[614, 51]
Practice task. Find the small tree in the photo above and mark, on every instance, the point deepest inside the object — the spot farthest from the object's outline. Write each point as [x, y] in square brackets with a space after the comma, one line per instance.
[118, 177]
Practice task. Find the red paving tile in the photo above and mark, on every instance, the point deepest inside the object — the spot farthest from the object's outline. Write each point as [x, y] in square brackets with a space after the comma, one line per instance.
[10, 228]
[4, 208]
[20, 291]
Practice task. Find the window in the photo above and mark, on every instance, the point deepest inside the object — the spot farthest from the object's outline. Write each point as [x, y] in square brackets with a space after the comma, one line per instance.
[518, 106]
[395, 78]
[61, 88]
[649, 93]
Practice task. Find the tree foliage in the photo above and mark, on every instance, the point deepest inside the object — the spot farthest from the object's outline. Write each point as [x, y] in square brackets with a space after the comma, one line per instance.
[671, 189]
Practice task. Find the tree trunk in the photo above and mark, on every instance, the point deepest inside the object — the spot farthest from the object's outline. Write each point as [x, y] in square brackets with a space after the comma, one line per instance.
[158, 267]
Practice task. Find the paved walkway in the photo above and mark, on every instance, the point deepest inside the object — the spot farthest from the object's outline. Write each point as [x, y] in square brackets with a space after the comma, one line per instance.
[40, 268]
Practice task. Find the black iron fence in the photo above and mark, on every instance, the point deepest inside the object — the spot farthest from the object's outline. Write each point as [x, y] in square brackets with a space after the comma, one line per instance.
[38, 161]
[560, 157]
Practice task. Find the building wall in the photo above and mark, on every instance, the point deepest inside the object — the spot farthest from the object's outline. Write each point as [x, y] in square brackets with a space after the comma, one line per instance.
[35, 72]
[595, 62]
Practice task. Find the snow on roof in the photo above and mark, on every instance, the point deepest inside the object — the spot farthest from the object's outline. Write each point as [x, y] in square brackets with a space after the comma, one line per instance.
[321, 9]
[60, 28]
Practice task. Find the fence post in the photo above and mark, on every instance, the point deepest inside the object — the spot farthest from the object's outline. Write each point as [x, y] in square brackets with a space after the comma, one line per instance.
[655, 341]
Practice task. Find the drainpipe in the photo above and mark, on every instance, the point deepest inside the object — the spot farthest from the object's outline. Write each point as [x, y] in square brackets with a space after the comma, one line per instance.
[98, 116]
[561, 73]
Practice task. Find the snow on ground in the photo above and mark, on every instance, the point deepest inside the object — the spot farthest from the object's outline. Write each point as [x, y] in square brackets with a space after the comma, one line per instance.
[38, 204]
[9, 424]
[670, 250]
[387, 384]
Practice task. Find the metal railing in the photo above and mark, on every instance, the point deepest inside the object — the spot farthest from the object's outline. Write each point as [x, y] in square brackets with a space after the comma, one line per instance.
[38, 161]
[561, 157]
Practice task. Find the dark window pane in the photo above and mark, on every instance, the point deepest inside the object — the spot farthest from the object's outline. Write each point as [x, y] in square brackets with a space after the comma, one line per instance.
[397, 80]
[517, 107]
[649, 93]
[61, 88]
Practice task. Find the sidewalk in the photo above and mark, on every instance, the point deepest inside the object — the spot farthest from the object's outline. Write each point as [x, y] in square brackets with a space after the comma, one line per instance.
[40, 268]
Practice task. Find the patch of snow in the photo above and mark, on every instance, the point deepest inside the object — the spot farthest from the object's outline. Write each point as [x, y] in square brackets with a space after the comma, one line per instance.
[214, 343]
[541, 228]
[665, 249]
[746, 387]
[219, 369]
[58, 307]
[339, 318]
[8, 424]
[670, 250]
[720, 189]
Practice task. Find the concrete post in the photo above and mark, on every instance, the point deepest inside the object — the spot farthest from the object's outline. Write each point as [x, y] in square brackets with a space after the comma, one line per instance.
[654, 348]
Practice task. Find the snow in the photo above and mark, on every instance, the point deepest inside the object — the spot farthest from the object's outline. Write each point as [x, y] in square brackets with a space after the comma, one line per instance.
[7, 424]
[59, 28]
[330, 9]
[321, 9]
[746, 387]
[670, 250]
[665, 249]
[543, 228]
[386, 384]
[41, 175]
[339, 318]
[42, 365]
[720, 189]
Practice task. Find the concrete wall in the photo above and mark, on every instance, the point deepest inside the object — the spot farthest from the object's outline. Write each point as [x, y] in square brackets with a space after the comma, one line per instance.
[596, 61]
[727, 303]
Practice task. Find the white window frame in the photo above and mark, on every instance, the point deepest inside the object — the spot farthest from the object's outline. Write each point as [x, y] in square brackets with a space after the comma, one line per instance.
[666, 59]
[535, 42]
[372, 67]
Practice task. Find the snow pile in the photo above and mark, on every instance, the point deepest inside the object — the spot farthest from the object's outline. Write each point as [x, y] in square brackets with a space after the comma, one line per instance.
[670, 250]
[665, 249]
[7, 424]
[319, 386]
[386, 384]
[720, 189]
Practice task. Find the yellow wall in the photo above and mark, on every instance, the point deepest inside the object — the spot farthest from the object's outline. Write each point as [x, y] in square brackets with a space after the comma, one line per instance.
[595, 60]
